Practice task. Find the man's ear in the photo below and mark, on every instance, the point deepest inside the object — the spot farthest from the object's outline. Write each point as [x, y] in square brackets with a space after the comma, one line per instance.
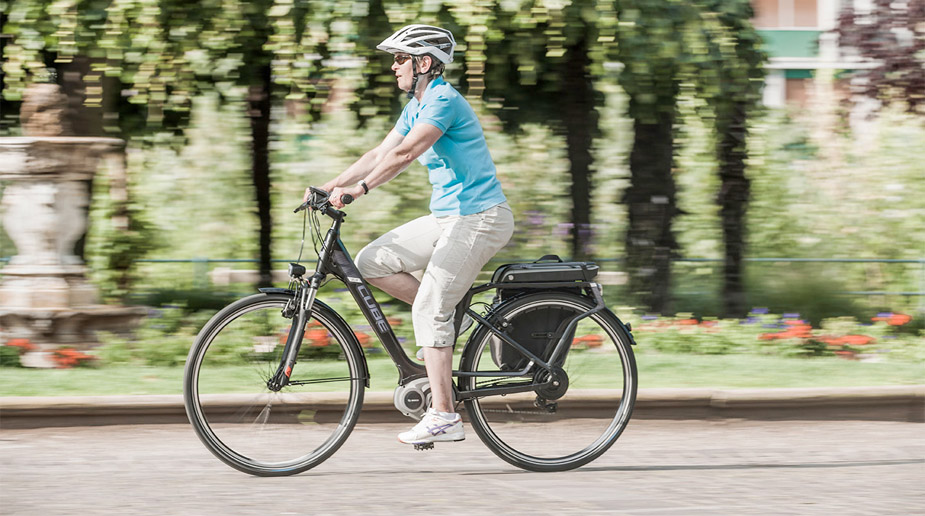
[427, 63]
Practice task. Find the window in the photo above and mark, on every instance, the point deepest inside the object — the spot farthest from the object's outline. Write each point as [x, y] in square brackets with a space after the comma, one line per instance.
[805, 13]
[770, 14]
[766, 13]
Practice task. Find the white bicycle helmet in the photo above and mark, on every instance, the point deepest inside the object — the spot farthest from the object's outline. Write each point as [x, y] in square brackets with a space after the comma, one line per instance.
[419, 40]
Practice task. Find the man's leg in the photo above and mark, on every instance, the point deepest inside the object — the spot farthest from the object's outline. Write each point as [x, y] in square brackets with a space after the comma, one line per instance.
[387, 261]
[400, 286]
[439, 365]
[466, 244]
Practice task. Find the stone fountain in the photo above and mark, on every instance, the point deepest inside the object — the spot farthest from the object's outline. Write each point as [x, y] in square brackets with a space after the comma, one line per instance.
[44, 293]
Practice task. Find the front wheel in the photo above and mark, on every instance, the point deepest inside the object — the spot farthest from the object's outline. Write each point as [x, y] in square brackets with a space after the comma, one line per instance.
[252, 428]
[534, 431]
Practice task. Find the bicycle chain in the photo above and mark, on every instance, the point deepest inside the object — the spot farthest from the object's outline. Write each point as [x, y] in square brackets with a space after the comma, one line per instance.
[529, 412]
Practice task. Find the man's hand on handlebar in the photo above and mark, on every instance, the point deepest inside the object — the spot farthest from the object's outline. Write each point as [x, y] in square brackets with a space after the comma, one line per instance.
[338, 193]
[319, 199]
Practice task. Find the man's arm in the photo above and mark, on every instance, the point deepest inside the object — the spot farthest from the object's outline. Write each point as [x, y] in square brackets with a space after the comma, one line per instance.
[392, 162]
[422, 137]
[363, 166]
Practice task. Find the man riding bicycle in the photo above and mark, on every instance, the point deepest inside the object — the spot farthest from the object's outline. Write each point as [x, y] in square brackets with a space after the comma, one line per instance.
[469, 222]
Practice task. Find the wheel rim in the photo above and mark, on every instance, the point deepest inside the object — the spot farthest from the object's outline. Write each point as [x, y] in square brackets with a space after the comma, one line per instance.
[588, 417]
[253, 428]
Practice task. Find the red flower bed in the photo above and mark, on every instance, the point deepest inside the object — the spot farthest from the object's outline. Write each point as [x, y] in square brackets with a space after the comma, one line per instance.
[365, 339]
[23, 344]
[847, 354]
[66, 358]
[797, 330]
[317, 338]
[893, 319]
[846, 340]
[592, 341]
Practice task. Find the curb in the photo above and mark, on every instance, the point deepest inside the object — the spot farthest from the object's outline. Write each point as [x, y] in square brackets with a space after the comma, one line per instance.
[882, 403]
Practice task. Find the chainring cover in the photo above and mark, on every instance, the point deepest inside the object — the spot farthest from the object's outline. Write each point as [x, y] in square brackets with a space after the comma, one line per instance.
[414, 398]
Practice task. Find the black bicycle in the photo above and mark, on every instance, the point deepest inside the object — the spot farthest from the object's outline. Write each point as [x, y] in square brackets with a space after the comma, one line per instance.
[274, 382]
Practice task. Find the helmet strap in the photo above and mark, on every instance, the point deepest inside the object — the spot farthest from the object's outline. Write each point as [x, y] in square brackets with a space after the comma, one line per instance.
[414, 82]
[414, 85]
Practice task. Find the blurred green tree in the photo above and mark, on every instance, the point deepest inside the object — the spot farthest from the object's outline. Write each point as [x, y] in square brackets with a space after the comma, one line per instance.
[528, 61]
[651, 48]
[663, 44]
[162, 54]
[731, 80]
[540, 66]
[45, 41]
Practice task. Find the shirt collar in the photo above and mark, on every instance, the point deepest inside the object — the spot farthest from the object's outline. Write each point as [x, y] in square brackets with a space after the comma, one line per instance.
[431, 85]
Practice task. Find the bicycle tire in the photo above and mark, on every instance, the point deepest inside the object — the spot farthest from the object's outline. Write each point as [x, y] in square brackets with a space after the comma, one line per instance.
[248, 426]
[532, 437]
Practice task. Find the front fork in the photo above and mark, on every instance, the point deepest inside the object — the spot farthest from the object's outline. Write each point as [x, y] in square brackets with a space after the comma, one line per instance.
[302, 312]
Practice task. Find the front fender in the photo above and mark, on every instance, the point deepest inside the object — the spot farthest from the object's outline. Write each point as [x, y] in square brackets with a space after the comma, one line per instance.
[271, 290]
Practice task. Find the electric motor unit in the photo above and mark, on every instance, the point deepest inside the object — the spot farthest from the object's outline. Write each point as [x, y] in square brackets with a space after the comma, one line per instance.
[413, 399]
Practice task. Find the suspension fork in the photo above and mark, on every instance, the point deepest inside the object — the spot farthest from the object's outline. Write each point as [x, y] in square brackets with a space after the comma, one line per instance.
[304, 299]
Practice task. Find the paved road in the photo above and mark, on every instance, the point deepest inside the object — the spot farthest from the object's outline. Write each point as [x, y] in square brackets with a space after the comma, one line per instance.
[657, 467]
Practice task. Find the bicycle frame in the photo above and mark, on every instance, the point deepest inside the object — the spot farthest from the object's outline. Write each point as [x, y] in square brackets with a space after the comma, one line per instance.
[334, 259]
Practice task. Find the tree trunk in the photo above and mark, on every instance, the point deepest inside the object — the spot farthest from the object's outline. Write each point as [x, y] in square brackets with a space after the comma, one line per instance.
[84, 116]
[650, 199]
[733, 201]
[7, 109]
[580, 121]
[258, 102]
[81, 118]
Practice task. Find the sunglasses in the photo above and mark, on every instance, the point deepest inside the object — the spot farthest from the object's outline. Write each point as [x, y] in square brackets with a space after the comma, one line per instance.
[402, 58]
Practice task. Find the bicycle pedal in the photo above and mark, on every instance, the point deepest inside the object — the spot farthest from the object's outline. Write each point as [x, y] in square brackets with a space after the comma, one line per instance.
[424, 446]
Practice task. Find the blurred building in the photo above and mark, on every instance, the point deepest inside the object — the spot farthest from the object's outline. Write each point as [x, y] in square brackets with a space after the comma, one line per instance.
[800, 44]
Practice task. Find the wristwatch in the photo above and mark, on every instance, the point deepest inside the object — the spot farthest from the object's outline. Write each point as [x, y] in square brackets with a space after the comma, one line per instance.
[363, 184]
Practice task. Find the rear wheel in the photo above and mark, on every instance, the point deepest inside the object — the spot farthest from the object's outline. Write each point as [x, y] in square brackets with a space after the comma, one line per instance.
[534, 430]
[242, 421]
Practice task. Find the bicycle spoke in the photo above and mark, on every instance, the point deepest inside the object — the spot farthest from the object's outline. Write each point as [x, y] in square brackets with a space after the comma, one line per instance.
[548, 429]
[258, 430]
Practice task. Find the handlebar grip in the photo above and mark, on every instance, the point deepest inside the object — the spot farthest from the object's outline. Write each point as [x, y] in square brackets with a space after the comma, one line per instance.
[346, 199]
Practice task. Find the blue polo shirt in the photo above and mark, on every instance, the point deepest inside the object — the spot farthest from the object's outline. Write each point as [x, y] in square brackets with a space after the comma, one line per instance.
[459, 165]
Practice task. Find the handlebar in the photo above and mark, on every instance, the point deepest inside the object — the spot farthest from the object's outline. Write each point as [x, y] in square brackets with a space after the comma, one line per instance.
[321, 201]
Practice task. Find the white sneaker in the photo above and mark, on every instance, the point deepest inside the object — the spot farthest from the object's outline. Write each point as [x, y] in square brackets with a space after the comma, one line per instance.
[464, 326]
[434, 429]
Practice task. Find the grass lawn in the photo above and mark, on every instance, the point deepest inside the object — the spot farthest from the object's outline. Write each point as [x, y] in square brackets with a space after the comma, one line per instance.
[655, 370]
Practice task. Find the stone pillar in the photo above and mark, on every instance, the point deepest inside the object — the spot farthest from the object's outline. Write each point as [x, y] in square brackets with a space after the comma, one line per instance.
[45, 212]
[44, 293]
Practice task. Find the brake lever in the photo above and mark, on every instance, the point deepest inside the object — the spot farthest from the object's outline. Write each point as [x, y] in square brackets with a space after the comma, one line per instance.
[316, 192]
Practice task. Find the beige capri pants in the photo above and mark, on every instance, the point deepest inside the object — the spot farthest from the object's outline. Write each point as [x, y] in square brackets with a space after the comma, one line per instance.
[451, 250]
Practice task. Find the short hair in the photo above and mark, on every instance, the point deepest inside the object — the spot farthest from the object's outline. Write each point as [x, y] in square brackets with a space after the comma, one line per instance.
[436, 66]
